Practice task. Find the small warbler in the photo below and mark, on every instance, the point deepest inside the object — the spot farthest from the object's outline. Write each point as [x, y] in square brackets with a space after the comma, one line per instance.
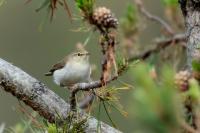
[74, 68]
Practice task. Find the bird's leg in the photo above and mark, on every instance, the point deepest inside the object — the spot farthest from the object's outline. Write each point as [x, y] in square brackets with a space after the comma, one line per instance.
[72, 99]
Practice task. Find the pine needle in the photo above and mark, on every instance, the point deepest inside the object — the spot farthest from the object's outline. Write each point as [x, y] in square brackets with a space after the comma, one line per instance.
[109, 117]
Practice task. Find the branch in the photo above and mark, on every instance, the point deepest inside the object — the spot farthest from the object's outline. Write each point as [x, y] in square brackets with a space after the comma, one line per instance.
[191, 13]
[97, 84]
[197, 119]
[159, 46]
[40, 98]
[152, 17]
[187, 127]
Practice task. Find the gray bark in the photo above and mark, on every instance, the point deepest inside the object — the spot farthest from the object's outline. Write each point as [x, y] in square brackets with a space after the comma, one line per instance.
[191, 13]
[40, 98]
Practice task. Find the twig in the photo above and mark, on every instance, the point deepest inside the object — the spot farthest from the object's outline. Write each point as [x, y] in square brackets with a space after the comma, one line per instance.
[109, 57]
[67, 9]
[96, 84]
[28, 1]
[159, 46]
[30, 116]
[187, 127]
[152, 17]
[107, 113]
[40, 98]
[197, 119]
[87, 101]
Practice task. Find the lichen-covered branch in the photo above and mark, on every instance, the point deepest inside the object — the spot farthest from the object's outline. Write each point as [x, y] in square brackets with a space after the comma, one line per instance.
[39, 97]
[191, 13]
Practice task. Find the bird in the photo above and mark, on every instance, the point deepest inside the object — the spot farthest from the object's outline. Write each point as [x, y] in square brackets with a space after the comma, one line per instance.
[74, 68]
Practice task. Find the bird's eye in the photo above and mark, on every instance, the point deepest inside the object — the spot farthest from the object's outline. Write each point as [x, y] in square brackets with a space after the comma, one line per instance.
[79, 54]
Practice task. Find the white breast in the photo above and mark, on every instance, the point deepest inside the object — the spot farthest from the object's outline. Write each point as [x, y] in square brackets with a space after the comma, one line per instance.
[72, 73]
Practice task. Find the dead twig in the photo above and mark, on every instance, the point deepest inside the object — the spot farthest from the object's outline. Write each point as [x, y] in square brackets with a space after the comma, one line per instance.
[109, 57]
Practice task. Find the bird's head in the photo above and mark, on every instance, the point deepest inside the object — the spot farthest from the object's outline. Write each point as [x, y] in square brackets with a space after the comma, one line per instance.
[82, 56]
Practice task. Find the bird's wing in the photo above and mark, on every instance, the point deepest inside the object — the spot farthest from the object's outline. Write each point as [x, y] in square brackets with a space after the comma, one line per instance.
[57, 66]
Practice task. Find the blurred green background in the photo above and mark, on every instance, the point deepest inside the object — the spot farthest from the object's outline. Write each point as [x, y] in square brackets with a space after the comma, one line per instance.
[23, 44]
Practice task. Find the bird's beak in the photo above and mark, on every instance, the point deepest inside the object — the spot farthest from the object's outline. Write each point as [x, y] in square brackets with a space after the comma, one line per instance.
[87, 53]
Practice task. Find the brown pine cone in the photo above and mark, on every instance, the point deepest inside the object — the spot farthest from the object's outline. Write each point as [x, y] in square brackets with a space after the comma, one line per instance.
[104, 18]
[182, 80]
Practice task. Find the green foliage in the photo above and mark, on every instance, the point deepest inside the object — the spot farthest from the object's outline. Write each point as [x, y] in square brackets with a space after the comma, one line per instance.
[19, 128]
[72, 124]
[86, 6]
[131, 14]
[79, 126]
[109, 98]
[194, 91]
[155, 106]
[196, 65]
[25, 126]
[120, 60]
[75, 127]
[170, 2]
[130, 19]
[191, 100]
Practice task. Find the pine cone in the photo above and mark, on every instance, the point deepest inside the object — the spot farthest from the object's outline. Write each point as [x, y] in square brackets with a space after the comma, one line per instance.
[104, 18]
[182, 80]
